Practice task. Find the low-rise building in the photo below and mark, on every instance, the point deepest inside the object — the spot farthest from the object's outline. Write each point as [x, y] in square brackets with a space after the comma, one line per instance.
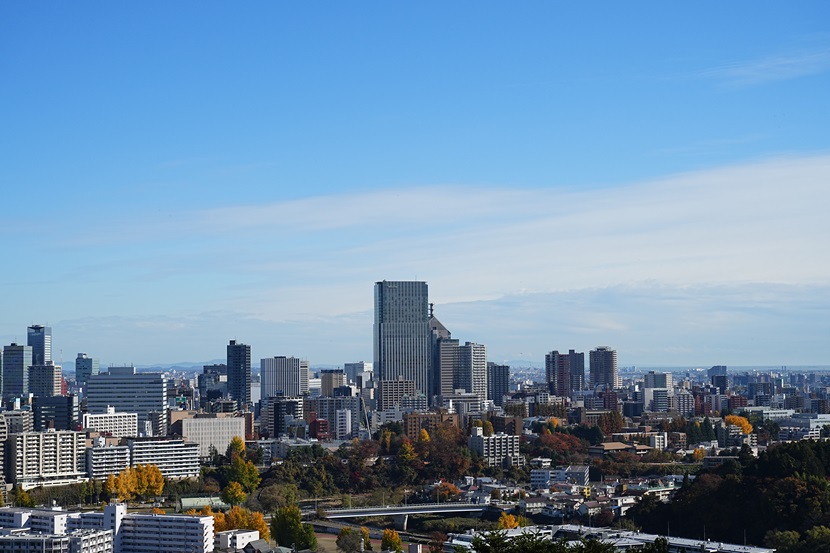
[102, 461]
[121, 425]
[212, 431]
[175, 458]
[496, 450]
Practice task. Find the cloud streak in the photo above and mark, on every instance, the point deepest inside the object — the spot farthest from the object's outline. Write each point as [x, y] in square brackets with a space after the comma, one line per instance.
[303, 264]
[780, 67]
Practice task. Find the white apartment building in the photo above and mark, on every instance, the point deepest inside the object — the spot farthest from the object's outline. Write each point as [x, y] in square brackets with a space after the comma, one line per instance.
[234, 539]
[77, 541]
[210, 430]
[39, 530]
[120, 425]
[175, 458]
[45, 458]
[343, 429]
[497, 450]
[101, 461]
[111, 531]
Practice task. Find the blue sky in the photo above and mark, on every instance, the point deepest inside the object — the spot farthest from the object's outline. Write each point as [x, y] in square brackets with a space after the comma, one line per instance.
[649, 176]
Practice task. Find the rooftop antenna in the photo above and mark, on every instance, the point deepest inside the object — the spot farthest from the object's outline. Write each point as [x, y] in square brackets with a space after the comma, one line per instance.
[431, 310]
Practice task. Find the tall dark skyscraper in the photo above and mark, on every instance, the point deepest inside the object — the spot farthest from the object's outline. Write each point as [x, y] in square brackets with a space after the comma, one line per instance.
[402, 333]
[498, 382]
[40, 340]
[239, 374]
[16, 362]
[603, 367]
[558, 373]
[576, 362]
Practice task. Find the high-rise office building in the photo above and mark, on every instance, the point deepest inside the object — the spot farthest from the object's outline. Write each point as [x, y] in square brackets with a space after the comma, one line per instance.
[16, 362]
[558, 373]
[402, 333]
[239, 374]
[471, 374]
[212, 383]
[603, 368]
[564, 372]
[443, 357]
[40, 340]
[576, 362]
[717, 370]
[58, 412]
[446, 360]
[498, 382]
[283, 376]
[120, 387]
[330, 379]
[392, 392]
[85, 366]
[355, 370]
[45, 380]
[657, 380]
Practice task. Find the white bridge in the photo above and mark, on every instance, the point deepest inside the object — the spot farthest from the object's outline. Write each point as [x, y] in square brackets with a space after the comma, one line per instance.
[401, 512]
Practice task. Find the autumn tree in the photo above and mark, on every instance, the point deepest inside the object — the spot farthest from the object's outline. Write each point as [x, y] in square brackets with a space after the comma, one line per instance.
[235, 448]
[367, 541]
[487, 427]
[741, 422]
[436, 542]
[149, 481]
[126, 484]
[610, 422]
[233, 494]
[245, 472]
[109, 485]
[447, 491]
[21, 498]
[507, 521]
[244, 519]
[391, 541]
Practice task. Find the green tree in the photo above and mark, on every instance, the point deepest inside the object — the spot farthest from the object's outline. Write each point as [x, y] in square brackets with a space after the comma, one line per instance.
[391, 541]
[288, 530]
[783, 541]
[21, 498]
[233, 494]
[244, 472]
[348, 541]
[488, 428]
[274, 496]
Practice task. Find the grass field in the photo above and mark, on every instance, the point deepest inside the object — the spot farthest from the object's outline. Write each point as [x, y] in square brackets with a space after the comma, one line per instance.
[326, 543]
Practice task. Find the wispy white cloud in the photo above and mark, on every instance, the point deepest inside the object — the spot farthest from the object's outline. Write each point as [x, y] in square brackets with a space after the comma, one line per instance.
[310, 264]
[779, 67]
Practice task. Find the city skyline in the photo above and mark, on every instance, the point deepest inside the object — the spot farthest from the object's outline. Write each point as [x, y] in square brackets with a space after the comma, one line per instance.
[649, 177]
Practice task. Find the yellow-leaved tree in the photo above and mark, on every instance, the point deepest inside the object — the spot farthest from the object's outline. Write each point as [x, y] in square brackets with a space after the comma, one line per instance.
[742, 422]
[507, 521]
[391, 541]
[126, 484]
[149, 481]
